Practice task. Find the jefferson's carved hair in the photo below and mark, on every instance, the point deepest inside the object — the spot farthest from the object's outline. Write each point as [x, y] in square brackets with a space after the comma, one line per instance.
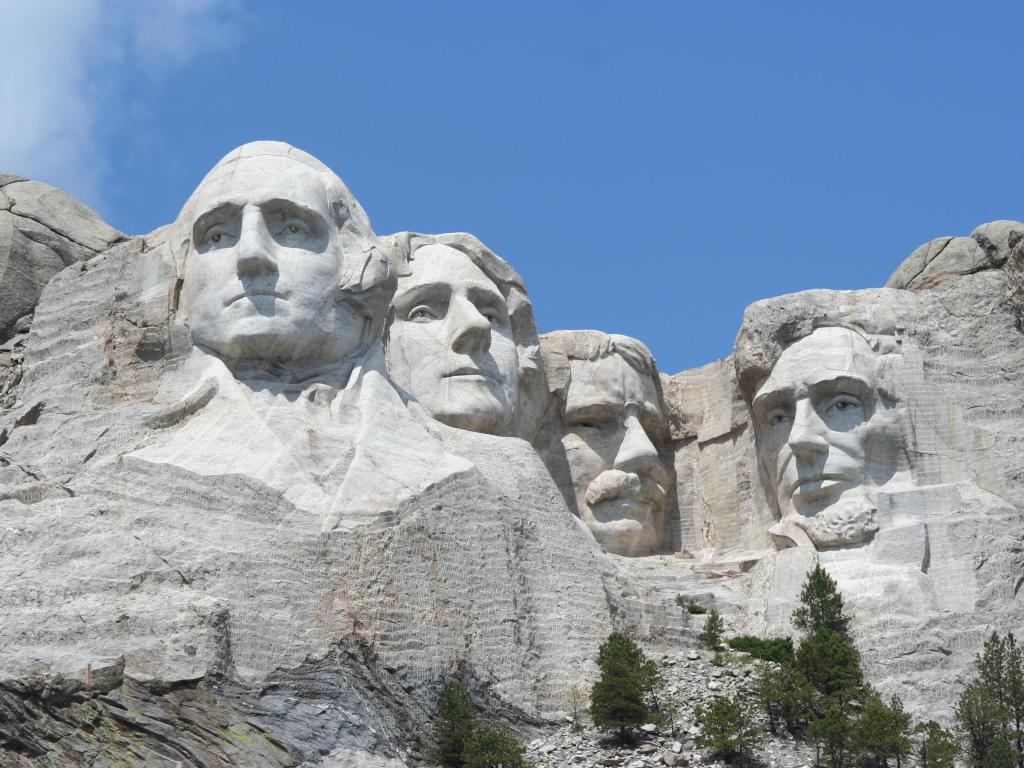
[403, 248]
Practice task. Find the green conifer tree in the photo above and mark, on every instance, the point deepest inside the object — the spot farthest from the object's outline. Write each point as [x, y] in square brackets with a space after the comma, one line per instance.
[726, 728]
[882, 731]
[713, 629]
[454, 723]
[980, 719]
[832, 732]
[821, 605]
[936, 746]
[619, 701]
[785, 696]
[490, 747]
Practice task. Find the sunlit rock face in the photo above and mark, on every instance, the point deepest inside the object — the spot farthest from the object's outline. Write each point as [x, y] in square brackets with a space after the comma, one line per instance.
[230, 492]
[609, 428]
[460, 336]
[267, 479]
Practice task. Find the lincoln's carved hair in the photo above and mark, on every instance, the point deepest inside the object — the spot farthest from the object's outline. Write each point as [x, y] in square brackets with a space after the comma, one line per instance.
[366, 278]
[559, 347]
[404, 246]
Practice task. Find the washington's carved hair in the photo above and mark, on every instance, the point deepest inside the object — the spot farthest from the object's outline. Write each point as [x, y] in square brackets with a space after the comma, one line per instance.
[366, 273]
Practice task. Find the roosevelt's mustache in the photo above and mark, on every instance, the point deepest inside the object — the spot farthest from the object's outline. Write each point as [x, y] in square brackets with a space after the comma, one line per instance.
[615, 484]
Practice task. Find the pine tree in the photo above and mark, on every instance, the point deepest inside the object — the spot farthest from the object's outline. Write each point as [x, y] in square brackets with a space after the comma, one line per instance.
[1000, 754]
[619, 700]
[713, 628]
[980, 719]
[785, 696]
[821, 605]
[936, 746]
[832, 732]
[726, 728]
[1013, 684]
[490, 747]
[455, 719]
[830, 663]
[882, 731]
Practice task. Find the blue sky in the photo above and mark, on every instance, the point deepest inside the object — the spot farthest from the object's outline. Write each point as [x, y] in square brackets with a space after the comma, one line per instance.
[649, 167]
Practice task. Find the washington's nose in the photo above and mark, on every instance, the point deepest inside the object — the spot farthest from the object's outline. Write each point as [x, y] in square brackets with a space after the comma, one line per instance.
[807, 435]
[255, 247]
[636, 451]
[470, 330]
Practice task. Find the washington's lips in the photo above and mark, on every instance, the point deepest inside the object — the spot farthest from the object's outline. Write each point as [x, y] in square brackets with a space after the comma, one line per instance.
[468, 371]
[252, 295]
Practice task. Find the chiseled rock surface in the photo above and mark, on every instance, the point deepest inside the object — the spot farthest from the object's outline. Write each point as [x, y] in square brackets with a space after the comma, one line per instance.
[233, 535]
[42, 230]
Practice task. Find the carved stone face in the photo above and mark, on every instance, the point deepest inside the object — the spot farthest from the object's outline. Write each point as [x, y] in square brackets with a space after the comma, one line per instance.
[450, 342]
[824, 437]
[264, 265]
[612, 422]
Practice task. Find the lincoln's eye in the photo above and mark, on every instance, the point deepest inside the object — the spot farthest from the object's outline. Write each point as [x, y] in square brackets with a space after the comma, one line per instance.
[422, 315]
[293, 229]
[215, 238]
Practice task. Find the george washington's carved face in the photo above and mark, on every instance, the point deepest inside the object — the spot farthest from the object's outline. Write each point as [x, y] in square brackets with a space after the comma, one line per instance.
[264, 266]
[825, 436]
[450, 342]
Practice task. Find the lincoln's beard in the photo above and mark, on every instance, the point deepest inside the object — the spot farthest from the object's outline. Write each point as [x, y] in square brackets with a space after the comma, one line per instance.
[851, 520]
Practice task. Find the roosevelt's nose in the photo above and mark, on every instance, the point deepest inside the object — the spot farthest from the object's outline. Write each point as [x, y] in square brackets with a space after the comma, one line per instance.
[636, 451]
[807, 435]
[254, 250]
[470, 330]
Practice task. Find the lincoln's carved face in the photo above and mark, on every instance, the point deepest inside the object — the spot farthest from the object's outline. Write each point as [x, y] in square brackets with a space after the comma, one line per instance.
[825, 437]
[612, 419]
[264, 265]
[450, 342]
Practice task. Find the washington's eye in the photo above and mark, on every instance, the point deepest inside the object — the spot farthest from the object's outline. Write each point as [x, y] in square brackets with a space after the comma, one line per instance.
[422, 315]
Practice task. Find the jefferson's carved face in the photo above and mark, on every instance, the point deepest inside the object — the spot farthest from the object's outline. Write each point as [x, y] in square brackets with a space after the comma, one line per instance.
[823, 434]
[612, 421]
[450, 342]
[264, 266]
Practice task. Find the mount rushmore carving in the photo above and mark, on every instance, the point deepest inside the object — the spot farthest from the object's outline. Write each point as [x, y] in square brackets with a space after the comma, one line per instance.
[306, 473]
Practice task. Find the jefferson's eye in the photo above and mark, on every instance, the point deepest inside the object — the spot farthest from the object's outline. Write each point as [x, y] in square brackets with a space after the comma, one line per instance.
[422, 315]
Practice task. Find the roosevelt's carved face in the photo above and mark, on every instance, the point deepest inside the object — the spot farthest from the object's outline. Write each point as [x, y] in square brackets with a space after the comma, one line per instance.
[264, 265]
[450, 342]
[825, 439]
[612, 420]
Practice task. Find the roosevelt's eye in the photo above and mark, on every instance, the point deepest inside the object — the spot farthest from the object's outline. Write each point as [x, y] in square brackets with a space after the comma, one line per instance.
[422, 315]
[845, 403]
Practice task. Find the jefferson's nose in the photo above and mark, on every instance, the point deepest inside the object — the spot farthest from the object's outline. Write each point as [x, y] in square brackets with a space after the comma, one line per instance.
[636, 451]
[470, 330]
[807, 435]
[254, 249]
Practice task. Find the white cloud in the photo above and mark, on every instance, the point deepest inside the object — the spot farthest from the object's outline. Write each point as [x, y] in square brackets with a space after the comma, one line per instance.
[62, 64]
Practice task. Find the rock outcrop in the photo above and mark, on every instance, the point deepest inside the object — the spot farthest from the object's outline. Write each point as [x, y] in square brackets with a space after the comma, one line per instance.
[267, 480]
